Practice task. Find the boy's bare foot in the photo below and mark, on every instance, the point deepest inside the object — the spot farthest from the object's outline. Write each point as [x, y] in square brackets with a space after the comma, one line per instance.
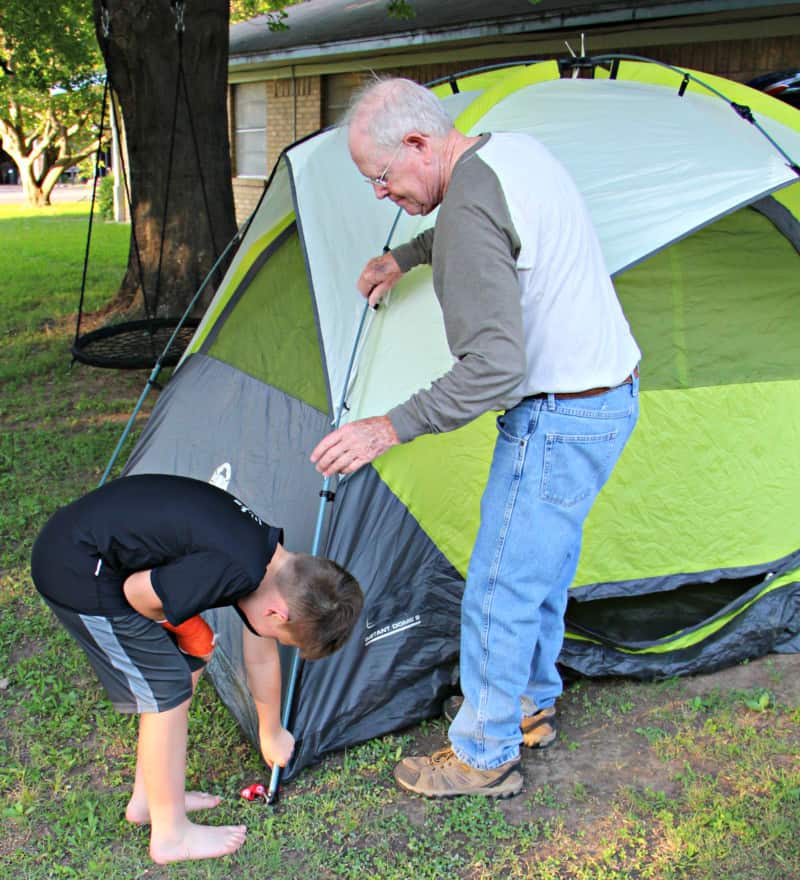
[138, 812]
[196, 842]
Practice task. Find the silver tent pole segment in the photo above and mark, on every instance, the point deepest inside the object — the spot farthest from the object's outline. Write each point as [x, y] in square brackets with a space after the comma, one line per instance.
[325, 496]
[352, 372]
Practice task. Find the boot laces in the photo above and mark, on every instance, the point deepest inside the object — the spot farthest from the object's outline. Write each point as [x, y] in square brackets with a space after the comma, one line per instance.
[444, 756]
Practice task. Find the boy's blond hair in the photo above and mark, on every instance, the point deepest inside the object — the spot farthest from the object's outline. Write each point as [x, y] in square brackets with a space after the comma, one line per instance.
[324, 603]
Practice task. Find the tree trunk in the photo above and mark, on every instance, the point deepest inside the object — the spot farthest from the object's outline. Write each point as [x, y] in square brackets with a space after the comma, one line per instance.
[25, 160]
[35, 195]
[48, 180]
[142, 58]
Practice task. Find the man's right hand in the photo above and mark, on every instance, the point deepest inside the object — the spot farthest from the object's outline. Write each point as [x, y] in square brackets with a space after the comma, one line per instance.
[378, 277]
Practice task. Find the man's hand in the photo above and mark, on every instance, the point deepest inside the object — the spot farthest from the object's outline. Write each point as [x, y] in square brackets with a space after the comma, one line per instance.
[352, 446]
[276, 746]
[378, 277]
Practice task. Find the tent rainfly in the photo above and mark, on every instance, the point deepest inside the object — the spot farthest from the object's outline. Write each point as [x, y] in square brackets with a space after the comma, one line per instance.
[691, 555]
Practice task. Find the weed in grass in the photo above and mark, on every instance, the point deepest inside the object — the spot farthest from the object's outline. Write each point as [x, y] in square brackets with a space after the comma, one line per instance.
[376, 755]
[759, 700]
[579, 792]
[651, 734]
[706, 702]
[602, 705]
[22, 803]
[774, 674]
[545, 796]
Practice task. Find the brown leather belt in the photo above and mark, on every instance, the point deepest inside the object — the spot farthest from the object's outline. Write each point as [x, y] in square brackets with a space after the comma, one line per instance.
[590, 392]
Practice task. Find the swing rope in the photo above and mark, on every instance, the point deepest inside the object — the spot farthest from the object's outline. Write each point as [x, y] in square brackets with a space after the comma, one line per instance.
[162, 360]
[98, 154]
[190, 117]
[124, 345]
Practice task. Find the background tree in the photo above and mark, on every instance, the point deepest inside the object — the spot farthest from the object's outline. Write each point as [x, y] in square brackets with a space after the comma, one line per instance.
[178, 158]
[49, 92]
[170, 260]
[274, 10]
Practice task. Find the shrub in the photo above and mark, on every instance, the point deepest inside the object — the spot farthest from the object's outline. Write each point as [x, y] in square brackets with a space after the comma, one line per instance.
[105, 197]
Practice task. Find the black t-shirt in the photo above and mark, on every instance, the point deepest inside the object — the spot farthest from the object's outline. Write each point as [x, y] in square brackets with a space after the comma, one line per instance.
[205, 547]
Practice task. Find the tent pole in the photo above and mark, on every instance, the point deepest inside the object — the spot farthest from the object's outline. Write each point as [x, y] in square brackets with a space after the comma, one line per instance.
[743, 111]
[151, 379]
[326, 496]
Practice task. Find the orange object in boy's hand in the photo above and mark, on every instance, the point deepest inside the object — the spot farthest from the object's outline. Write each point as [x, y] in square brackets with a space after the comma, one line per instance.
[195, 637]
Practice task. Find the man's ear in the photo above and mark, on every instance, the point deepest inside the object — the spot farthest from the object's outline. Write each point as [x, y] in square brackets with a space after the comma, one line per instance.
[416, 141]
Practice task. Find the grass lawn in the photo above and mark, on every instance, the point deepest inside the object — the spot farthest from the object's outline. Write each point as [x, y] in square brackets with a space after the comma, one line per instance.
[688, 779]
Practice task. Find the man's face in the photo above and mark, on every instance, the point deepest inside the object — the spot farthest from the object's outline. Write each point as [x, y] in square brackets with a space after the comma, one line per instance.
[404, 175]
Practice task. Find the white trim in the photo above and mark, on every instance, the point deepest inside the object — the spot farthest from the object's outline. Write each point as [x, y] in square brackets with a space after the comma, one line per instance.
[100, 629]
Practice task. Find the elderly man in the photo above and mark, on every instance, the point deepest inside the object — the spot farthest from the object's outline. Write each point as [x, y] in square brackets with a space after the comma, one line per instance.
[537, 332]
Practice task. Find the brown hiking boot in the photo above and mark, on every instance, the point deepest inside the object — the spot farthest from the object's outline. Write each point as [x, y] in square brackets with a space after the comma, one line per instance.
[443, 775]
[538, 730]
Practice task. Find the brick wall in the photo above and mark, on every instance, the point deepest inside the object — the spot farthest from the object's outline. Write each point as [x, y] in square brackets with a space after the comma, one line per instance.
[293, 111]
[739, 60]
[246, 193]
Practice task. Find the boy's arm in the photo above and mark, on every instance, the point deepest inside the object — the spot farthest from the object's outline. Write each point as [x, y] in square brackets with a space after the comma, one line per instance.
[141, 596]
[263, 667]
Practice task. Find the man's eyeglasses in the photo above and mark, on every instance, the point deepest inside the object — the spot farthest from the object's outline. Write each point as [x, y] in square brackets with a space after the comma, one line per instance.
[381, 179]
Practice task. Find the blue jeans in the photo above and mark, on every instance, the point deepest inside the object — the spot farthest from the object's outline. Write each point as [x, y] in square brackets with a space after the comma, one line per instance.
[551, 459]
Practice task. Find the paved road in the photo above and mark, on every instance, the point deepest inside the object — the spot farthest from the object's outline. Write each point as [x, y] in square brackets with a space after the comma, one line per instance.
[63, 192]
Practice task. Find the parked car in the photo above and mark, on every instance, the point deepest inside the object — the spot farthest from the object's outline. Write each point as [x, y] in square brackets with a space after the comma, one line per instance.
[781, 84]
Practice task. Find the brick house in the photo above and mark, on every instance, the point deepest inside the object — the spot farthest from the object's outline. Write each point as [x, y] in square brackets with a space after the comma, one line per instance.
[287, 84]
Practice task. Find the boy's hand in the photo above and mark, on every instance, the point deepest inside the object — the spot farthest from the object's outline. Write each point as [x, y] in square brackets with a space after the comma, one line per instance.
[276, 747]
[194, 637]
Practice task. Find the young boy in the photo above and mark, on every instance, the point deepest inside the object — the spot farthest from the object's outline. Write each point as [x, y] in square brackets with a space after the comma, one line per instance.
[151, 549]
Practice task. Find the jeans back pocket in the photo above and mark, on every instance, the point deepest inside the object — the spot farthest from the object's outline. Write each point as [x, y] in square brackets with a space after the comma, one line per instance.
[576, 466]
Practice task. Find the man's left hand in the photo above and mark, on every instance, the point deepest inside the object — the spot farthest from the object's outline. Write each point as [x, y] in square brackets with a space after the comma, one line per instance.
[350, 447]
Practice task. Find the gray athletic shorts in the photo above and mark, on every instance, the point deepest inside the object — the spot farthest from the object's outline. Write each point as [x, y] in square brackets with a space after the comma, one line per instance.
[137, 661]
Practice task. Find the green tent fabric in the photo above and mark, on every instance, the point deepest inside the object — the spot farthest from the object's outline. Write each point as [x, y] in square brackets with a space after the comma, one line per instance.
[691, 556]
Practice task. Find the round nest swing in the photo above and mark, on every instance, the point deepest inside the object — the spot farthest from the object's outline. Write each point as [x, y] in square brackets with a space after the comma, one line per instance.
[135, 345]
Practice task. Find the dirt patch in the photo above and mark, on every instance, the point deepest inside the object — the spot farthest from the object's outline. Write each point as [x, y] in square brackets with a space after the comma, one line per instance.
[779, 673]
[62, 403]
[603, 746]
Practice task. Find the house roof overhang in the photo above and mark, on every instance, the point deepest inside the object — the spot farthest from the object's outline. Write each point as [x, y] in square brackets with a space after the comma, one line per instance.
[326, 35]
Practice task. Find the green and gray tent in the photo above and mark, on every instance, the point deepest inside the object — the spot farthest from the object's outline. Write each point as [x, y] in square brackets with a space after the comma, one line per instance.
[691, 557]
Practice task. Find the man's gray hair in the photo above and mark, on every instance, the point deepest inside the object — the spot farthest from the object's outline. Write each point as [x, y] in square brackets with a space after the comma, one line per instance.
[389, 108]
